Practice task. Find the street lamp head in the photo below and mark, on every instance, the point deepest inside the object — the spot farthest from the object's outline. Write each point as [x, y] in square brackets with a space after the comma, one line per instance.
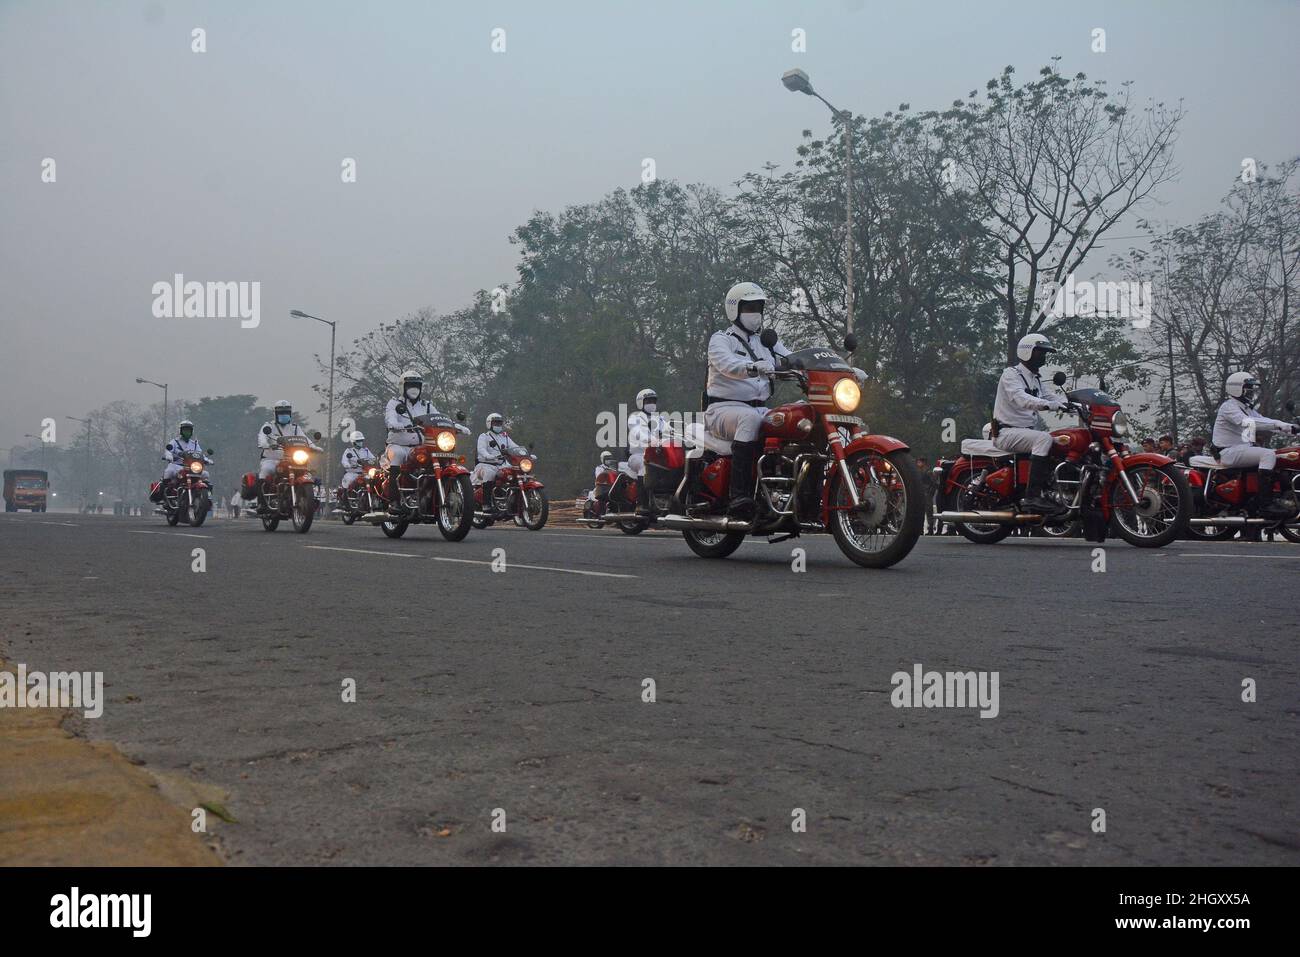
[298, 314]
[796, 81]
[139, 381]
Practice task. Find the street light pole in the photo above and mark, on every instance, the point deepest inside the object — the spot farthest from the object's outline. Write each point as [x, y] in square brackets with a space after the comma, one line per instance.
[329, 435]
[163, 386]
[1173, 395]
[796, 81]
[86, 423]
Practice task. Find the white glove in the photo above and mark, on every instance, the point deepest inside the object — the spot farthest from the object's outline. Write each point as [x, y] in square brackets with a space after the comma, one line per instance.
[1057, 403]
[762, 367]
[860, 375]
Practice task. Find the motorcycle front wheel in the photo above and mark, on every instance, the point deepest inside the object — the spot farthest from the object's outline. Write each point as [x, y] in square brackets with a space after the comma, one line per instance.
[202, 505]
[885, 530]
[173, 516]
[304, 509]
[456, 513]
[632, 528]
[1161, 512]
[535, 509]
[270, 522]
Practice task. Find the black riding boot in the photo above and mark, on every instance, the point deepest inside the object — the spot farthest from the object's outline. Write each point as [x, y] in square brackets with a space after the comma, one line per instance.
[740, 504]
[1266, 505]
[1040, 471]
[644, 501]
[394, 490]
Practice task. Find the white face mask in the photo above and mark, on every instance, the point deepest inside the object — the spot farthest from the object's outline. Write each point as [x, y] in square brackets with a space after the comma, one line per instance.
[412, 393]
[498, 429]
[751, 321]
[650, 408]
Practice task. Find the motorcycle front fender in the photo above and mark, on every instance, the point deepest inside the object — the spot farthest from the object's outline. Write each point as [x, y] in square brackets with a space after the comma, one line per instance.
[881, 444]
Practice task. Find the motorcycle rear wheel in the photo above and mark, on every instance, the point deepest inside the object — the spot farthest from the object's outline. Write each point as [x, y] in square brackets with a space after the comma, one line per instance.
[1212, 533]
[632, 528]
[395, 529]
[270, 522]
[348, 518]
[1290, 532]
[174, 517]
[713, 544]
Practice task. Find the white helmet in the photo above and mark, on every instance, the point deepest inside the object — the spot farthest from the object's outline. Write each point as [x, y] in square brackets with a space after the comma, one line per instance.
[282, 404]
[742, 292]
[357, 436]
[1243, 386]
[1026, 346]
[606, 457]
[408, 379]
[495, 417]
[643, 395]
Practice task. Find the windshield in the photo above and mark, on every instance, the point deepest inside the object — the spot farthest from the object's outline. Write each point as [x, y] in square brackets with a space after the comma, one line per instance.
[31, 483]
[822, 359]
[1092, 397]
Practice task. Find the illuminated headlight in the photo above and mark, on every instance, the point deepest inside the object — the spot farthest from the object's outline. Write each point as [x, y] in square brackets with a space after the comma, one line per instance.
[847, 395]
[372, 473]
[299, 456]
[526, 464]
[196, 467]
[1119, 424]
[446, 442]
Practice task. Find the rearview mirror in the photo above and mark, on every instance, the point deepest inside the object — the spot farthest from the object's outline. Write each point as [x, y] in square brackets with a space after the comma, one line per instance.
[316, 436]
[209, 451]
[768, 337]
[266, 430]
[1059, 379]
[460, 415]
[850, 343]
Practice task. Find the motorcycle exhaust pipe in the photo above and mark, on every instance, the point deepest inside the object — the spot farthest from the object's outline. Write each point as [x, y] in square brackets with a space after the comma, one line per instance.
[592, 522]
[684, 524]
[1233, 520]
[376, 517]
[1006, 518]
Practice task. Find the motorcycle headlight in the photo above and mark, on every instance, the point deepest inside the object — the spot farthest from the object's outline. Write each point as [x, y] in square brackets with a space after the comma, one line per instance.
[847, 395]
[446, 442]
[299, 456]
[372, 473]
[525, 465]
[1119, 424]
[196, 467]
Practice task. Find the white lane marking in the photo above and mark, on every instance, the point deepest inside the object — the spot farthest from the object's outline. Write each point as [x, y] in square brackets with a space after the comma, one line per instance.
[361, 551]
[536, 568]
[65, 524]
[1230, 555]
[142, 531]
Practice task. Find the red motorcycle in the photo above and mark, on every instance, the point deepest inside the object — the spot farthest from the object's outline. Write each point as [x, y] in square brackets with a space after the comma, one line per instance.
[291, 492]
[187, 497]
[515, 493]
[1225, 497]
[819, 471]
[1096, 481]
[365, 496]
[433, 486]
[614, 501]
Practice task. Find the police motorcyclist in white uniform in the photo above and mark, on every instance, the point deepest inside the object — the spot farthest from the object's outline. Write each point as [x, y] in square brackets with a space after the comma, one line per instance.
[175, 451]
[608, 466]
[281, 426]
[1237, 414]
[738, 385]
[1018, 424]
[646, 427]
[356, 459]
[492, 448]
[403, 434]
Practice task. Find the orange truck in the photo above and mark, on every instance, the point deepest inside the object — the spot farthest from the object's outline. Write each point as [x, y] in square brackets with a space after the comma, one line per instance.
[26, 488]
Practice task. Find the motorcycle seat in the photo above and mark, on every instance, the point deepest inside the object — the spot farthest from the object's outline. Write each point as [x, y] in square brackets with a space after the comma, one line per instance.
[1205, 462]
[983, 448]
[697, 435]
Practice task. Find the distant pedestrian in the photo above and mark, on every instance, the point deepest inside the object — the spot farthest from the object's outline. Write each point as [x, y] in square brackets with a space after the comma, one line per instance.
[927, 489]
[1148, 444]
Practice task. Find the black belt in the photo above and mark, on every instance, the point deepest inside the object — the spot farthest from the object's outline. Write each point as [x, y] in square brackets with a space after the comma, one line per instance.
[752, 403]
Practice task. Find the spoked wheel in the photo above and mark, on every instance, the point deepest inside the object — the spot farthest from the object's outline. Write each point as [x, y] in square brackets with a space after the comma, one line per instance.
[270, 522]
[456, 513]
[1212, 533]
[1162, 508]
[1062, 530]
[173, 516]
[1290, 532]
[712, 544]
[304, 509]
[480, 522]
[348, 517]
[202, 505]
[535, 509]
[888, 522]
[966, 499]
[395, 529]
[632, 528]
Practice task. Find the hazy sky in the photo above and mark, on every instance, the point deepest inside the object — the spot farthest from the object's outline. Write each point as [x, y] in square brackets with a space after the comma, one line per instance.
[225, 165]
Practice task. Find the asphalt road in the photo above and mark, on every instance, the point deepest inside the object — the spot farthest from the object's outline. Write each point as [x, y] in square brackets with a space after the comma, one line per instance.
[522, 691]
